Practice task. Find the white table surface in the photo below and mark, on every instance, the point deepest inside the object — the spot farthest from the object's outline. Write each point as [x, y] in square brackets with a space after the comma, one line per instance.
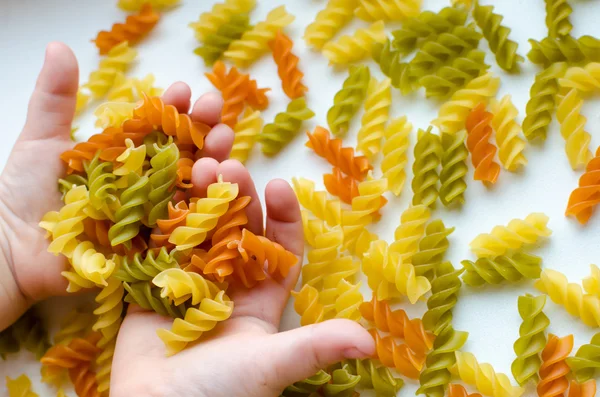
[488, 314]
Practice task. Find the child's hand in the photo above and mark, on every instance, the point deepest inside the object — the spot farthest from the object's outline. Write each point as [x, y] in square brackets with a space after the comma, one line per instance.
[245, 355]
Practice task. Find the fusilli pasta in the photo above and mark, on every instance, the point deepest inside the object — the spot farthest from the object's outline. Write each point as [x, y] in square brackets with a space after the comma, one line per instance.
[483, 153]
[444, 296]
[285, 126]
[572, 128]
[554, 369]
[584, 198]
[484, 377]
[395, 146]
[348, 49]
[246, 131]
[215, 44]
[208, 23]
[495, 270]
[586, 362]
[348, 99]
[428, 157]
[335, 15]
[118, 60]
[410, 231]
[510, 144]
[392, 10]
[377, 108]
[454, 168]
[287, 66]
[557, 18]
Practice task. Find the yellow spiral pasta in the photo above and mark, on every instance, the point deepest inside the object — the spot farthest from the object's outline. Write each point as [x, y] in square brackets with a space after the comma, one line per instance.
[452, 115]
[511, 237]
[65, 225]
[583, 79]
[205, 216]
[348, 49]
[312, 228]
[343, 268]
[329, 21]
[572, 128]
[213, 306]
[377, 109]
[20, 387]
[132, 160]
[484, 377]
[348, 300]
[90, 268]
[254, 42]
[136, 5]
[395, 145]
[570, 296]
[508, 131]
[390, 10]
[410, 231]
[307, 305]
[591, 284]
[208, 23]
[246, 131]
[131, 89]
[82, 100]
[113, 114]
[118, 60]
[321, 257]
[318, 202]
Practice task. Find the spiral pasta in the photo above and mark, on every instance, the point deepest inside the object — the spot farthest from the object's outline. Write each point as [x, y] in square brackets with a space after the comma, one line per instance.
[572, 128]
[397, 324]
[426, 24]
[348, 49]
[379, 379]
[277, 259]
[326, 249]
[213, 306]
[335, 15]
[377, 107]
[449, 78]
[308, 385]
[113, 114]
[586, 389]
[307, 305]
[30, 332]
[585, 79]
[584, 198]
[209, 22]
[586, 362]
[564, 49]
[511, 237]
[428, 157]
[395, 145]
[591, 284]
[205, 216]
[282, 130]
[344, 187]
[454, 168]
[245, 133]
[102, 187]
[215, 44]
[162, 182]
[479, 128]
[148, 297]
[453, 114]
[75, 325]
[131, 89]
[254, 42]
[456, 390]
[364, 210]
[20, 387]
[245, 89]
[118, 60]
[532, 338]
[389, 61]
[484, 377]
[571, 296]
[171, 122]
[557, 18]
[392, 10]
[177, 215]
[287, 66]
[144, 269]
[129, 216]
[554, 369]
[400, 357]
[79, 350]
[410, 231]
[444, 296]
[135, 5]
[90, 268]
[390, 277]
[542, 101]
[317, 202]
[502, 268]
[436, 375]
[348, 99]
[342, 383]
[432, 249]
[84, 380]
[510, 144]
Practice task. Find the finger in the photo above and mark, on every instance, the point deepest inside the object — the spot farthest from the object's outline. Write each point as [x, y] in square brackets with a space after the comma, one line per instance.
[302, 352]
[179, 95]
[207, 108]
[218, 143]
[52, 104]
[235, 172]
[204, 173]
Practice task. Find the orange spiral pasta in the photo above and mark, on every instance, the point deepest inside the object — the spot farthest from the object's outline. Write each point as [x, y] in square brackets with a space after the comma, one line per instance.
[340, 185]
[455, 390]
[171, 122]
[479, 130]
[554, 369]
[235, 89]
[265, 251]
[184, 172]
[586, 389]
[338, 156]
[177, 215]
[401, 357]
[134, 28]
[77, 351]
[584, 198]
[397, 324]
[84, 380]
[287, 66]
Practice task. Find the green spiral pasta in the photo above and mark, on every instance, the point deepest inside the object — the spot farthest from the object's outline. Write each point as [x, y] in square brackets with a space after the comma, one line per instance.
[138, 269]
[442, 49]
[557, 18]
[502, 268]
[129, 216]
[215, 44]
[307, 386]
[444, 296]
[148, 297]
[372, 377]
[532, 338]
[156, 141]
[286, 125]
[450, 78]
[454, 168]
[436, 376]
[100, 183]
[496, 34]
[31, 333]
[586, 362]
[428, 157]
[347, 101]
[542, 101]
[65, 184]
[565, 49]
[432, 248]
[342, 383]
[389, 60]
[426, 24]
[163, 176]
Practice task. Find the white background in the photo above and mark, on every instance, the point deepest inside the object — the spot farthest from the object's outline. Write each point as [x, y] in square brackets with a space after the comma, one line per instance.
[488, 314]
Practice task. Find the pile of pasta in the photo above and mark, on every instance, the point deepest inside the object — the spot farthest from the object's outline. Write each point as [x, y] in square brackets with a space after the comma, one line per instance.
[130, 228]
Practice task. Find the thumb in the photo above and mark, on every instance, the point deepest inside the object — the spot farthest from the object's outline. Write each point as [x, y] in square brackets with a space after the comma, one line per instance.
[302, 352]
[52, 104]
